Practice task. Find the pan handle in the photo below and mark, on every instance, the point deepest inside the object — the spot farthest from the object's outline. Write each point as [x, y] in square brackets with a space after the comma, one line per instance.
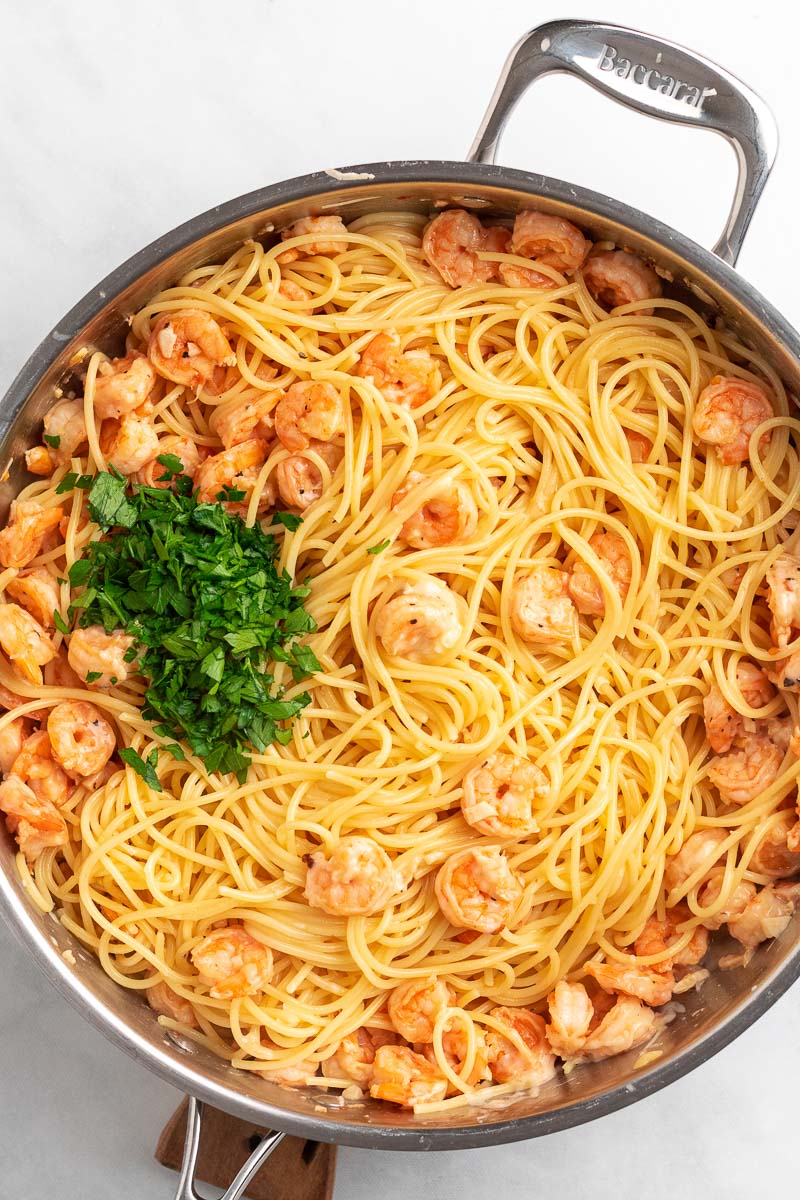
[191, 1148]
[653, 77]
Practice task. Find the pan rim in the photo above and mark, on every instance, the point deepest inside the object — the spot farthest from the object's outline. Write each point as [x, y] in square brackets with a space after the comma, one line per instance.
[424, 172]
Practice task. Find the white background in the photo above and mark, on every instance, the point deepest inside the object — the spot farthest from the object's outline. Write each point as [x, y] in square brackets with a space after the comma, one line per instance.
[117, 121]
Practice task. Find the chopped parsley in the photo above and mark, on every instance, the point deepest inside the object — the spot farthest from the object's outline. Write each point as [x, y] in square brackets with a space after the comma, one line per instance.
[380, 546]
[147, 769]
[52, 439]
[72, 481]
[291, 521]
[59, 622]
[210, 613]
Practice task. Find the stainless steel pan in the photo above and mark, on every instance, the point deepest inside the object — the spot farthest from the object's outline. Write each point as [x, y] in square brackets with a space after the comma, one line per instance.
[655, 78]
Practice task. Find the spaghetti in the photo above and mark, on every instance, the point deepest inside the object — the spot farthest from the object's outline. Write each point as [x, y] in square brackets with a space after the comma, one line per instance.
[492, 427]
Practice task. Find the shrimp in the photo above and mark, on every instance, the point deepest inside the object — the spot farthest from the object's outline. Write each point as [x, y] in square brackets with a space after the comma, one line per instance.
[356, 880]
[773, 855]
[103, 656]
[37, 768]
[155, 474]
[329, 233]
[37, 592]
[658, 936]
[499, 795]
[615, 277]
[128, 443]
[414, 1007]
[11, 738]
[584, 586]
[549, 240]
[225, 378]
[449, 516]
[308, 412]
[39, 460]
[573, 1032]
[734, 905]
[9, 700]
[21, 540]
[36, 824]
[640, 447]
[422, 622]
[748, 770]
[653, 983]
[699, 853]
[82, 739]
[298, 478]
[540, 607]
[25, 643]
[783, 597]
[165, 1000]
[58, 673]
[403, 1077]
[238, 422]
[65, 429]
[407, 377]
[766, 915]
[476, 889]
[122, 385]
[295, 294]
[496, 239]
[727, 413]
[187, 346]
[723, 723]
[232, 963]
[785, 674]
[523, 1053]
[295, 1075]
[456, 1050]
[354, 1057]
[451, 243]
[238, 469]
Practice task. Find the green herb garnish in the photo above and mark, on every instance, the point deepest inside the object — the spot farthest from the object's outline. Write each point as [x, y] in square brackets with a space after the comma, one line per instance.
[377, 549]
[210, 613]
[59, 622]
[289, 520]
[52, 439]
[147, 770]
[109, 505]
[72, 481]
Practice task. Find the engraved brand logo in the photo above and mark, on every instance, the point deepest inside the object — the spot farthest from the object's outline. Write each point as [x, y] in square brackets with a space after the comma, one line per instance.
[667, 85]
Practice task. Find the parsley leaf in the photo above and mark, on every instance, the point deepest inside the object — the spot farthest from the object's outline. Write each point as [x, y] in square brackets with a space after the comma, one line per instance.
[52, 439]
[380, 546]
[59, 622]
[290, 520]
[108, 504]
[144, 769]
[171, 463]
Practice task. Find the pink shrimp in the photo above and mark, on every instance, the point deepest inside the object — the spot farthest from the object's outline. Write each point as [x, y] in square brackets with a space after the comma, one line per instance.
[401, 376]
[36, 823]
[616, 277]
[232, 963]
[308, 412]
[584, 586]
[728, 412]
[451, 243]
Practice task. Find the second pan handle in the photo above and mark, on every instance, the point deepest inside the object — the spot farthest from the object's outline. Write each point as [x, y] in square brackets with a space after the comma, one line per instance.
[654, 77]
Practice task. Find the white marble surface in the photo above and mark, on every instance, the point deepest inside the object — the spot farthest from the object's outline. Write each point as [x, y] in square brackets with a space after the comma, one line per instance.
[117, 122]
